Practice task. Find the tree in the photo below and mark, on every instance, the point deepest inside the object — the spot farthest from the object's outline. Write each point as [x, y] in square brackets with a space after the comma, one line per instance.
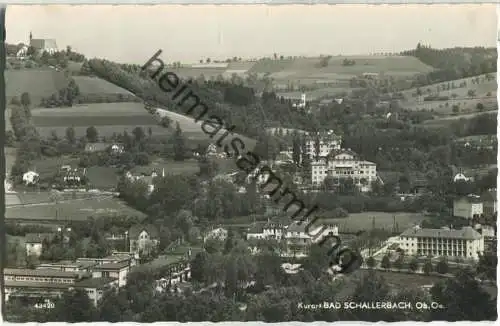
[487, 266]
[386, 262]
[398, 264]
[166, 122]
[428, 268]
[139, 134]
[26, 102]
[442, 267]
[92, 134]
[462, 298]
[413, 266]
[480, 107]
[70, 135]
[198, 267]
[74, 306]
[370, 262]
[179, 145]
[471, 93]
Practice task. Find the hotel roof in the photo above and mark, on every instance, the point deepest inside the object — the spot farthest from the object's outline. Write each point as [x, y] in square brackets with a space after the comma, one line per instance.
[44, 272]
[119, 265]
[467, 233]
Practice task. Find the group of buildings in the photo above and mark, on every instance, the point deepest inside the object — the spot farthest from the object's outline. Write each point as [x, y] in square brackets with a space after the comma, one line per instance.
[295, 237]
[94, 275]
[470, 242]
[330, 160]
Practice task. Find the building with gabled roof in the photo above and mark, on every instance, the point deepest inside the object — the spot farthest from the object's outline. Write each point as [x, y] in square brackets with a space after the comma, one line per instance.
[143, 238]
[34, 242]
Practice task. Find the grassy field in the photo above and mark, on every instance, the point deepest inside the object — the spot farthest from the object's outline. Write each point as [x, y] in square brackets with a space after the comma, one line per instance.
[363, 221]
[37, 82]
[95, 85]
[171, 167]
[74, 210]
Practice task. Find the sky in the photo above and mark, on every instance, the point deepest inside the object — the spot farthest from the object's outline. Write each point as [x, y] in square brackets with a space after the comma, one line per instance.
[188, 33]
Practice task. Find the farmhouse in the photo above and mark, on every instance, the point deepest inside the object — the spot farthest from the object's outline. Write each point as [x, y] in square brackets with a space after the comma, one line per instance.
[344, 164]
[468, 207]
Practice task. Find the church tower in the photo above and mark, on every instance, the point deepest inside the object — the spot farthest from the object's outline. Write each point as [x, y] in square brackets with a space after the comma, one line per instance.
[31, 37]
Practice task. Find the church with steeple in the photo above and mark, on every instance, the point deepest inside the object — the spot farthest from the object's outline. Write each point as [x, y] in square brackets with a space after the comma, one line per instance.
[43, 45]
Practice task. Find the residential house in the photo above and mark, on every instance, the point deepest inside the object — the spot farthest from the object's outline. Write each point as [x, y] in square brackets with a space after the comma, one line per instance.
[489, 200]
[464, 243]
[343, 164]
[31, 178]
[255, 232]
[143, 238]
[115, 257]
[34, 242]
[468, 207]
[216, 234]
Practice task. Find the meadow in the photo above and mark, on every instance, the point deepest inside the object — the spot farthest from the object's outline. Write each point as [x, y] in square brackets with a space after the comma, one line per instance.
[39, 83]
[364, 221]
[465, 105]
[108, 118]
[74, 210]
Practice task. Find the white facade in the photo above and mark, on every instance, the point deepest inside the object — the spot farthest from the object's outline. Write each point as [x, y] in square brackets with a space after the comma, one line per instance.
[34, 249]
[327, 143]
[344, 165]
[464, 243]
[30, 178]
[467, 207]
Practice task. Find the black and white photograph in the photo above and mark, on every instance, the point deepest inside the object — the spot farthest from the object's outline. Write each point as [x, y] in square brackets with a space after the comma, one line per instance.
[242, 163]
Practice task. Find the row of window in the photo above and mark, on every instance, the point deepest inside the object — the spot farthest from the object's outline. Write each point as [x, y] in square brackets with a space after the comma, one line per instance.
[38, 279]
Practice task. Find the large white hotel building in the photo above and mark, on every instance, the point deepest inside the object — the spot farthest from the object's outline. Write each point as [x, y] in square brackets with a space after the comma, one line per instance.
[464, 243]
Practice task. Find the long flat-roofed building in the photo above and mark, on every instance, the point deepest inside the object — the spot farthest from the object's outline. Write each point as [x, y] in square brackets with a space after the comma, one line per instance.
[464, 243]
[31, 286]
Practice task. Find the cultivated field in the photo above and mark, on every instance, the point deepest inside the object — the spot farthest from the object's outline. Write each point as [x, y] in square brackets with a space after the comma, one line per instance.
[95, 85]
[389, 65]
[75, 210]
[447, 120]
[363, 221]
[170, 167]
[465, 105]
